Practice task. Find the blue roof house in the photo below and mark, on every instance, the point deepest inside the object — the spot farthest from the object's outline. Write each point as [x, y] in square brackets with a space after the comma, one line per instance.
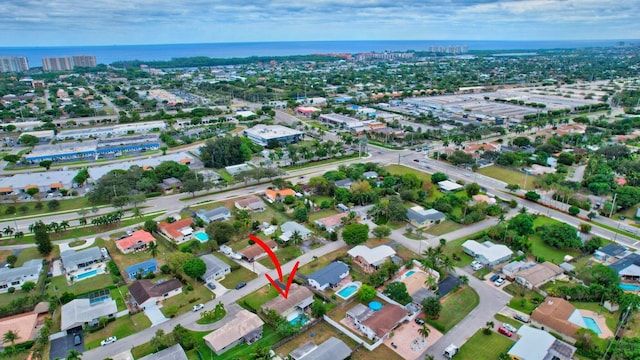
[144, 268]
[329, 276]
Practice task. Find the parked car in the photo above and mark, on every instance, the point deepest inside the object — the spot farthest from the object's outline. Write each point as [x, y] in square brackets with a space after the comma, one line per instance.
[419, 321]
[241, 285]
[197, 307]
[77, 340]
[509, 327]
[504, 331]
[476, 266]
[522, 318]
[416, 160]
[211, 286]
[109, 340]
[499, 282]
[494, 278]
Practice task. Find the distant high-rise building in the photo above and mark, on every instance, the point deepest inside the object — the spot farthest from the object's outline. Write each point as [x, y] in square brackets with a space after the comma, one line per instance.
[84, 60]
[57, 63]
[13, 64]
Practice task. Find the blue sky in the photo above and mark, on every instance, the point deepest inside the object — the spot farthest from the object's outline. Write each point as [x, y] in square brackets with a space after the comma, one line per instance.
[107, 22]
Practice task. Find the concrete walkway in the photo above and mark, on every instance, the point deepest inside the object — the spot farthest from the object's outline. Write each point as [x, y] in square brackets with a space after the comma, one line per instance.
[64, 246]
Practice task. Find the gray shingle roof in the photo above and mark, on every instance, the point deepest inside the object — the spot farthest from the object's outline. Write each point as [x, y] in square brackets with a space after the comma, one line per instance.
[214, 265]
[80, 311]
[330, 274]
[172, 353]
[30, 267]
[424, 215]
[213, 213]
[332, 349]
[625, 262]
[71, 258]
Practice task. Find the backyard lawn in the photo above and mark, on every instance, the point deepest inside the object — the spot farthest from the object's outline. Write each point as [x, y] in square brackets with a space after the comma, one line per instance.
[455, 307]
[381, 353]
[454, 249]
[523, 300]
[256, 299]
[542, 250]
[284, 255]
[313, 216]
[484, 347]
[120, 328]
[237, 276]
[59, 285]
[509, 176]
[317, 334]
[444, 227]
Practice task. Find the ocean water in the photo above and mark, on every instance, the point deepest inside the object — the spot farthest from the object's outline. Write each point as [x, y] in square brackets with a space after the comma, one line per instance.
[110, 54]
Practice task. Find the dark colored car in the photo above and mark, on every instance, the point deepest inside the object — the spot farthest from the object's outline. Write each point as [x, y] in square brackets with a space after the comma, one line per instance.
[416, 160]
[494, 278]
[419, 321]
[77, 340]
[522, 318]
[241, 285]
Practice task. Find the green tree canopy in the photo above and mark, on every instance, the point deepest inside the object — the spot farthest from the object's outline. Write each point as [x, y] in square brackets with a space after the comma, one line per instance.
[355, 234]
[194, 268]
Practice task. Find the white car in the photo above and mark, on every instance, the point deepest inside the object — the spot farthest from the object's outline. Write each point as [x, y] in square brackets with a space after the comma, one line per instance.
[109, 340]
[509, 327]
[499, 282]
[198, 307]
[476, 266]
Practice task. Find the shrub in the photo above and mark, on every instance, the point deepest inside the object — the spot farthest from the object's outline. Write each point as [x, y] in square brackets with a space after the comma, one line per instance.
[165, 269]
[11, 290]
[189, 287]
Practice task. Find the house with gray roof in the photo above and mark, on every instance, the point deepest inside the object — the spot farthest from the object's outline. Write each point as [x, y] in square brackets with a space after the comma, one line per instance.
[329, 276]
[370, 175]
[291, 227]
[174, 352]
[85, 263]
[80, 312]
[218, 214]
[611, 253]
[16, 277]
[332, 349]
[216, 268]
[487, 253]
[535, 344]
[422, 218]
[628, 268]
[344, 183]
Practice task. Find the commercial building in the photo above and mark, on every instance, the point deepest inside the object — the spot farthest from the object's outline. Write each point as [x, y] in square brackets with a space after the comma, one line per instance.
[43, 181]
[341, 121]
[57, 63]
[13, 64]
[261, 134]
[449, 186]
[111, 130]
[487, 253]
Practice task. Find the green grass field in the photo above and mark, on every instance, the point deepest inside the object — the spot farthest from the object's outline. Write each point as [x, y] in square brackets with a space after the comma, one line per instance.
[549, 253]
[256, 299]
[121, 328]
[509, 176]
[523, 300]
[484, 347]
[456, 307]
[444, 227]
[284, 255]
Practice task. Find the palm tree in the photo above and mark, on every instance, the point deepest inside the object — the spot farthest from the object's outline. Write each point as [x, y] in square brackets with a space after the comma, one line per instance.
[153, 248]
[424, 331]
[8, 230]
[490, 325]
[10, 336]
[464, 280]
[295, 238]
[64, 224]
[73, 355]
[262, 353]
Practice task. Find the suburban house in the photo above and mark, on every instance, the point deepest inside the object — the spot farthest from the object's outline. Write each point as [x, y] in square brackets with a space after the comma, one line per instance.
[146, 293]
[382, 322]
[137, 241]
[80, 312]
[254, 252]
[344, 183]
[17, 276]
[512, 268]
[332, 349]
[370, 175]
[538, 275]
[245, 328]
[290, 227]
[449, 186]
[558, 315]
[178, 231]
[216, 268]
[218, 214]
[421, 217]
[487, 253]
[370, 259]
[298, 300]
[483, 198]
[329, 276]
[628, 268]
[251, 203]
[174, 352]
[535, 344]
[332, 222]
[142, 268]
[278, 195]
[611, 253]
[84, 263]
[170, 184]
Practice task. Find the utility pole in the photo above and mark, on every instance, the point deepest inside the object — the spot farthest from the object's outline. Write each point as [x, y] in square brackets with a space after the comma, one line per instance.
[613, 205]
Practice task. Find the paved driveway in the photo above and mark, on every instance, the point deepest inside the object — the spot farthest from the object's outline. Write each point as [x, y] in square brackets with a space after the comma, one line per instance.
[154, 314]
[60, 347]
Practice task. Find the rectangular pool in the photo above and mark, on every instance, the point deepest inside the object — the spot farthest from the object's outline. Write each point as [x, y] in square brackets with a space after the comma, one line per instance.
[347, 291]
[630, 287]
[202, 236]
[86, 274]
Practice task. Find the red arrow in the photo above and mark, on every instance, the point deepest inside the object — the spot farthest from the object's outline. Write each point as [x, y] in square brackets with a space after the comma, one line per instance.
[273, 257]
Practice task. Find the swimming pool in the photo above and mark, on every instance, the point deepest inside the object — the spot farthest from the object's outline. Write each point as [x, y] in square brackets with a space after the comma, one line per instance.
[202, 236]
[297, 318]
[86, 274]
[99, 299]
[630, 287]
[375, 305]
[592, 325]
[409, 273]
[348, 290]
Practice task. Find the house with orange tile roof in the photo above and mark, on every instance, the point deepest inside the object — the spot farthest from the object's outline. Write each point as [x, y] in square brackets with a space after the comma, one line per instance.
[558, 315]
[178, 231]
[278, 195]
[138, 241]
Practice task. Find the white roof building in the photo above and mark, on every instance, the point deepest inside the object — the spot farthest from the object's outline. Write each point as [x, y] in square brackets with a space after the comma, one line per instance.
[448, 186]
[535, 344]
[96, 172]
[261, 134]
[79, 312]
[375, 256]
[487, 252]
